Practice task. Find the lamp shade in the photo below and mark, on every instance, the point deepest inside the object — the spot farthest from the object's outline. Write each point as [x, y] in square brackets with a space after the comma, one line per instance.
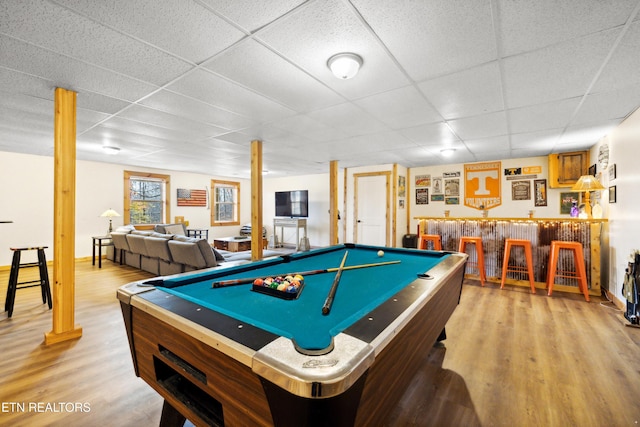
[587, 183]
[344, 65]
[109, 213]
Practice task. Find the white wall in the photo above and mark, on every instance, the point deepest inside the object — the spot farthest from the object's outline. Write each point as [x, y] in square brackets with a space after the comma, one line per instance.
[624, 215]
[26, 191]
[318, 220]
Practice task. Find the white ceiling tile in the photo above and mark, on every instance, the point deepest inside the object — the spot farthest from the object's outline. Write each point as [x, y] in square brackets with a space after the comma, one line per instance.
[545, 140]
[191, 130]
[69, 73]
[466, 93]
[252, 15]
[400, 108]
[310, 128]
[551, 115]
[528, 25]
[586, 136]
[350, 119]
[560, 71]
[64, 32]
[432, 38]
[486, 125]
[488, 145]
[197, 110]
[608, 105]
[623, 69]
[186, 29]
[222, 93]
[430, 134]
[258, 68]
[325, 28]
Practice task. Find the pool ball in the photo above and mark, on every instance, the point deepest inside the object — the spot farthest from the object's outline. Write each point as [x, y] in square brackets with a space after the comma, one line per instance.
[380, 253]
[258, 282]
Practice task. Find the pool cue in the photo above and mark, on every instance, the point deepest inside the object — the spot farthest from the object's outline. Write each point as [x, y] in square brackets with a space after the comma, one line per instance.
[326, 308]
[234, 282]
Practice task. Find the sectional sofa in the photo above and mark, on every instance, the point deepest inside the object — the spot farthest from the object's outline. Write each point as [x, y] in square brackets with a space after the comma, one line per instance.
[167, 250]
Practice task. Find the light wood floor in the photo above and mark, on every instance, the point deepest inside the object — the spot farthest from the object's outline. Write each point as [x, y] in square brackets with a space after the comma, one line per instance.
[511, 359]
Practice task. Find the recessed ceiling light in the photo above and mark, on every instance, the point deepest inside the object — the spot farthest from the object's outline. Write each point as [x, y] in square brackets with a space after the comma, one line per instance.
[344, 65]
[448, 152]
[110, 149]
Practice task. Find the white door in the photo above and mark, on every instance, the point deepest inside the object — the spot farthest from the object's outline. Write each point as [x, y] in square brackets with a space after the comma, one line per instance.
[371, 212]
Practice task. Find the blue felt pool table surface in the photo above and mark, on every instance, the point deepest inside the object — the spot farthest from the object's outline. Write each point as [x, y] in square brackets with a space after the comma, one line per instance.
[301, 320]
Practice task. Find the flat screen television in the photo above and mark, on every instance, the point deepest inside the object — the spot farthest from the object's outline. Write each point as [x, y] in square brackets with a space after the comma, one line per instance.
[292, 203]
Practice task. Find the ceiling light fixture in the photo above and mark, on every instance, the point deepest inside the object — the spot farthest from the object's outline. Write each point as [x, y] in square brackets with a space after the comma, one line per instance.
[448, 152]
[110, 149]
[344, 65]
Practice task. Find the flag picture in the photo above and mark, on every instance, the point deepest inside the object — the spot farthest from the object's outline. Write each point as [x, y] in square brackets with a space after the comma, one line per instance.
[192, 197]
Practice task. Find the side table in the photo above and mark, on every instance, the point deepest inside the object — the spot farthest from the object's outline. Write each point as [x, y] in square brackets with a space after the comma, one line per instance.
[99, 242]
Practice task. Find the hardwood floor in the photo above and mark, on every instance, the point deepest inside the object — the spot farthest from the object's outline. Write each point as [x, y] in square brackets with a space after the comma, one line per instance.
[511, 358]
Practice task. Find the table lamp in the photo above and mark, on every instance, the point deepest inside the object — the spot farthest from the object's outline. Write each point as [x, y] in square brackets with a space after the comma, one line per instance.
[110, 213]
[586, 184]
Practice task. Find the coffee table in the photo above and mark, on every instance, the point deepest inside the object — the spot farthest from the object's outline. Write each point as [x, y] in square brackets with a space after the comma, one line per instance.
[235, 244]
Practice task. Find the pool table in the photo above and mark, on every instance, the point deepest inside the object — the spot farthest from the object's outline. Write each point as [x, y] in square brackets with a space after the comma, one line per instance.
[233, 356]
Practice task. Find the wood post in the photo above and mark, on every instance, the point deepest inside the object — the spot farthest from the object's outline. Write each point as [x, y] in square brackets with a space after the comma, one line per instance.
[333, 202]
[64, 211]
[256, 200]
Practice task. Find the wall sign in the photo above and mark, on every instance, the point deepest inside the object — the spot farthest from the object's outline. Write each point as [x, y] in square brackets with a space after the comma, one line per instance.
[482, 185]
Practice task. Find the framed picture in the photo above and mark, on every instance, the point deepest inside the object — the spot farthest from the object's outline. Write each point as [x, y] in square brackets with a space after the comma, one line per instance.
[612, 194]
[567, 200]
[520, 190]
[422, 196]
[540, 192]
[592, 170]
[612, 172]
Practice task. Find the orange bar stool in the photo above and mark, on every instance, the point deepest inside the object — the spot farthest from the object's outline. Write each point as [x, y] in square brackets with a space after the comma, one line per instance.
[580, 272]
[433, 238]
[526, 246]
[477, 241]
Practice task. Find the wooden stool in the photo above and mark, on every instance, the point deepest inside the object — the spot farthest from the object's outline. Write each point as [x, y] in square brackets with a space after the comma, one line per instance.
[433, 238]
[477, 241]
[526, 245]
[14, 285]
[580, 272]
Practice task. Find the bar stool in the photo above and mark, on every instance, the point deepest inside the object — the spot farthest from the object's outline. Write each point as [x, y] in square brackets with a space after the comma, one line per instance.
[526, 245]
[477, 241]
[14, 285]
[580, 272]
[433, 238]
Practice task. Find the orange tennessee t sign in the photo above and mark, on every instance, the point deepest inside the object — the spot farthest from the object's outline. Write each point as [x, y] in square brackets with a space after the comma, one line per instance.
[482, 185]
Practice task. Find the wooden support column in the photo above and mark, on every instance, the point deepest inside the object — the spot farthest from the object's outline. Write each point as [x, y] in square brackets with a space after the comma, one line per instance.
[333, 202]
[64, 214]
[256, 200]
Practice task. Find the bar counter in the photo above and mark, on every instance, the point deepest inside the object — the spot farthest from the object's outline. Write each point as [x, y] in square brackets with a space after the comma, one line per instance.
[539, 231]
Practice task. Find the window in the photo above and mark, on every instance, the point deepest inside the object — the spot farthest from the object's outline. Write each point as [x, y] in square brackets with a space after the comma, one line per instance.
[226, 203]
[146, 200]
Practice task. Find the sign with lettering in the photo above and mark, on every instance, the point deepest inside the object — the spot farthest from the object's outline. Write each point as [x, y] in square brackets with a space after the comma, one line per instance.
[482, 185]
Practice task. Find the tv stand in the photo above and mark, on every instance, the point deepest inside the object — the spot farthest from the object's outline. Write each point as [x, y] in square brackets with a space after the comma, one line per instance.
[298, 223]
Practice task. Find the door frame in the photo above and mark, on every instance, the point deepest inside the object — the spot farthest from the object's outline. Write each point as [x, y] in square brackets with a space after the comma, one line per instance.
[356, 176]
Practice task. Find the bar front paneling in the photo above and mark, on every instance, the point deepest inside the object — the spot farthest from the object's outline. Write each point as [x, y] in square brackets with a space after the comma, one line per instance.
[540, 232]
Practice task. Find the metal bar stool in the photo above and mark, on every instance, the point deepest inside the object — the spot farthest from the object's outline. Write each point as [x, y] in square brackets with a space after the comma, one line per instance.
[14, 285]
[433, 238]
[526, 246]
[477, 241]
[580, 272]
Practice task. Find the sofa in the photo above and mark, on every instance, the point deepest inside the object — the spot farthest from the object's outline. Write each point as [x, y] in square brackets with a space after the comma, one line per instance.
[167, 250]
